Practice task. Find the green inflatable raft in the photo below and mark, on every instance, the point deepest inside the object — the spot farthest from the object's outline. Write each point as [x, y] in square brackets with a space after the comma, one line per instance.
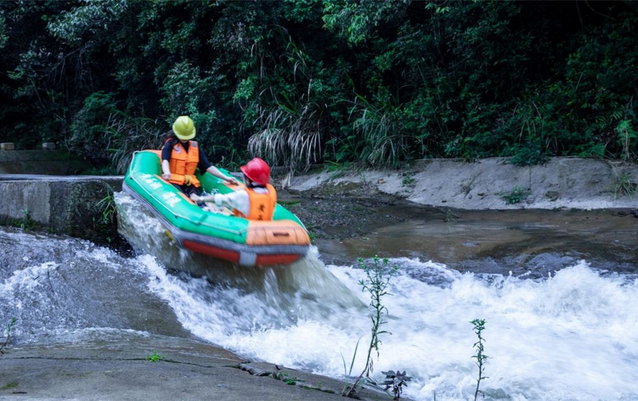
[246, 242]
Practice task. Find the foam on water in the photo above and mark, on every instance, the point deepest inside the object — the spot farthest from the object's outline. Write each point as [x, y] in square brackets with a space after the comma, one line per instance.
[572, 336]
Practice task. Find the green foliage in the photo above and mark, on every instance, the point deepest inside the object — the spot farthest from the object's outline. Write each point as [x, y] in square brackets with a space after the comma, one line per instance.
[105, 220]
[624, 186]
[26, 222]
[450, 217]
[286, 378]
[408, 180]
[302, 82]
[155, 357]
[517, 195]
[9, 386]
[347, 371]
[628, 139]
[357, 21]
[528, 155]
[3, 32]
[90, 127]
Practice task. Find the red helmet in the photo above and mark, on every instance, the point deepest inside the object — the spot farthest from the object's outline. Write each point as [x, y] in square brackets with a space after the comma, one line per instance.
[257, 171]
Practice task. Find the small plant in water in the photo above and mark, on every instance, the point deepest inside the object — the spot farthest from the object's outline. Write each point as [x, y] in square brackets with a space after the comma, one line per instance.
[481, 358]
[155, 357]
[378, 275]
[517, 195]
[396, 381]
[450, 217]
[8, 338]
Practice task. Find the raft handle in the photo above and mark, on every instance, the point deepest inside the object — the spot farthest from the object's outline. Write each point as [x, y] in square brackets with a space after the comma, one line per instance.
[281, 234]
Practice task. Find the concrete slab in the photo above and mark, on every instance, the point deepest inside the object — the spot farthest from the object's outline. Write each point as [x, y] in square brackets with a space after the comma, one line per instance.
[185, 369]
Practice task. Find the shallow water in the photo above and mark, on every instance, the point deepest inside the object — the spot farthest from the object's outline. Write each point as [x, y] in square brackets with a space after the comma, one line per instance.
[570, 333]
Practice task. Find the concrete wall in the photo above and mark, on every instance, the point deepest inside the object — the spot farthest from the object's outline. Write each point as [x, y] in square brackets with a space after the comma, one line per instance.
[65, 204]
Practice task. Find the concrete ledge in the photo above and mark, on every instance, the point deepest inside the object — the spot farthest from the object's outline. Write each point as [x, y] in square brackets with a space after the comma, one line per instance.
[66, 204]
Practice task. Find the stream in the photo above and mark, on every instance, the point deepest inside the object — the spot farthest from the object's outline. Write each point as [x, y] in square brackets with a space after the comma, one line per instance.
[562, 325]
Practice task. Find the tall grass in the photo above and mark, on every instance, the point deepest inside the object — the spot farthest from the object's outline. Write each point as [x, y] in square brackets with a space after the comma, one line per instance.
[384, 140]
[126, 135]
[627, 138]
[289, 138]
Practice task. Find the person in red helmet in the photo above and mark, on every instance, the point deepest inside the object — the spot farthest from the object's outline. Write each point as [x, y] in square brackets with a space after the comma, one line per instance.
[257, 201]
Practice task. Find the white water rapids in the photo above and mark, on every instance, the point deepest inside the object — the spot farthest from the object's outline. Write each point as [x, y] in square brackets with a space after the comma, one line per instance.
[572, 336]
[569, 336]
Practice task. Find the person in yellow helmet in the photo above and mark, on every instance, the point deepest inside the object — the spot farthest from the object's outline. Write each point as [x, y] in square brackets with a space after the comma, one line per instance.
[182, 156]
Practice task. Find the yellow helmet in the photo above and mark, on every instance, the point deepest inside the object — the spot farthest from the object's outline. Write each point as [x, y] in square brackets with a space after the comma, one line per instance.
[184, 128]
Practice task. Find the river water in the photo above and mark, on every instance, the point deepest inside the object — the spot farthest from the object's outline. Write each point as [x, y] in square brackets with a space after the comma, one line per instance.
[569, 335]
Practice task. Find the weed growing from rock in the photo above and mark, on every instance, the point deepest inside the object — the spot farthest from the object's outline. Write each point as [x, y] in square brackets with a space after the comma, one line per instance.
[396, 381]
[3, 347]
[105, 220]
[408, 181]
[26, 222]
[623, 186]
[450, 217]
[155, 357]
[378, 275]
[517, 195]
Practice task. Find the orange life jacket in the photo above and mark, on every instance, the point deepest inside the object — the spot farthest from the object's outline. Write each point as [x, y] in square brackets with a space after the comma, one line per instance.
[262, 206]
[184, 163]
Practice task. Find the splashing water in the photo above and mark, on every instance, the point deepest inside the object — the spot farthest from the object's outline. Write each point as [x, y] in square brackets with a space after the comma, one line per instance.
[571, 336]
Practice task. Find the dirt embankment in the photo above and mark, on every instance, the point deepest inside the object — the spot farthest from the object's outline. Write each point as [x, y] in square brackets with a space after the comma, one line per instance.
[491, 184]
[345, 203]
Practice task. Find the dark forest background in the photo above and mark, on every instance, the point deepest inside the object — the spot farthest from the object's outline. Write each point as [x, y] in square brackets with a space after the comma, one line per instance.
[305, 81]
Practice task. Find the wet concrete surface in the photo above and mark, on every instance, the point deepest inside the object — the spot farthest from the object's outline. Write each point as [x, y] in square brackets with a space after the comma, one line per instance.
[88, 328]
[137, 367]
